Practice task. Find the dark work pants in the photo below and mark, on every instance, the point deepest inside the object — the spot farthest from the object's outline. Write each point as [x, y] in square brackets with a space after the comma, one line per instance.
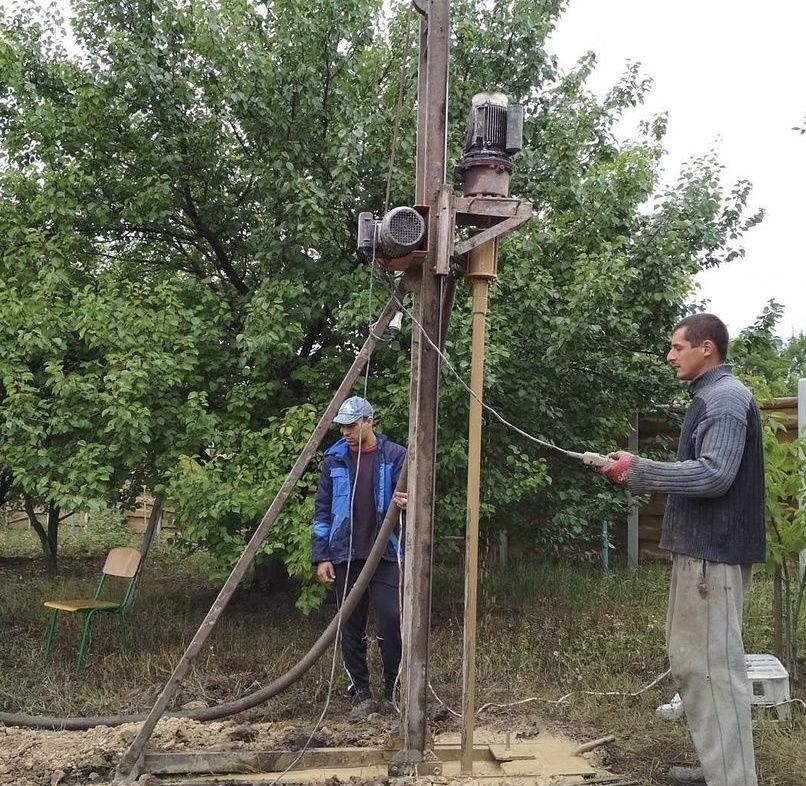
[383, 592]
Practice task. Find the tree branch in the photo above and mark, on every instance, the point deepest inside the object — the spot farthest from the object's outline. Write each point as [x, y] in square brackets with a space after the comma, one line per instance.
[222, 259]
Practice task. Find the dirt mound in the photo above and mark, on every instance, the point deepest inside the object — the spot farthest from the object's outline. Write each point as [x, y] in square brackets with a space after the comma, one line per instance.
[30, 757]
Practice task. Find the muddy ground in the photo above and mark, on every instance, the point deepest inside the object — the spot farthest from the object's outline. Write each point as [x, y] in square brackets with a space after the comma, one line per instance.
[31, 757]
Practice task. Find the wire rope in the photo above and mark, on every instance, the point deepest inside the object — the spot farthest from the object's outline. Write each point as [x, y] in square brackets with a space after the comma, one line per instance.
[544, 443]
[401, 91]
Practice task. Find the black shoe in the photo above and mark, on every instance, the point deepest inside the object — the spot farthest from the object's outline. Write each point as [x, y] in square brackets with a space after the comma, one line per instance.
[389, 705]
[686, 775]
[363, 707]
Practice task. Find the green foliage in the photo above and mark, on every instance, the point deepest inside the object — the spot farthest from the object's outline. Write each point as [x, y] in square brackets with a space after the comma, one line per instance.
[769, 364]
[226, 496]
[771, 368]
[785, 478]
[180, 295]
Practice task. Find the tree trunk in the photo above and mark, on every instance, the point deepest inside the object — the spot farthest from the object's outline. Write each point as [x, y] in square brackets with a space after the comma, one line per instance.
[53, 535]
[795, 673]
[6, 482]
[47, 545]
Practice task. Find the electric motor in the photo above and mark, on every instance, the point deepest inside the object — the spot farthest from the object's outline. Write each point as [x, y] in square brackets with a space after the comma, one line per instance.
[399, 232]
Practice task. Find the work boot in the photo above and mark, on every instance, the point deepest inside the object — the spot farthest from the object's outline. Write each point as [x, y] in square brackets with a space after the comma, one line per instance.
[388, 704]
[390, 701]
[686, 775]
[363, 707]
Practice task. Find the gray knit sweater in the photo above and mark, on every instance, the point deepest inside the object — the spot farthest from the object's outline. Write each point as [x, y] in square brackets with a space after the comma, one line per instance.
[715, 509]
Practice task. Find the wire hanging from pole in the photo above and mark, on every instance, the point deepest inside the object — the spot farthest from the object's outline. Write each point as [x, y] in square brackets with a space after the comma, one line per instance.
[401, 91]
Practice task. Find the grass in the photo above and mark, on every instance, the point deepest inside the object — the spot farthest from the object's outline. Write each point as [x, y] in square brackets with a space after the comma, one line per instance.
[544, 630]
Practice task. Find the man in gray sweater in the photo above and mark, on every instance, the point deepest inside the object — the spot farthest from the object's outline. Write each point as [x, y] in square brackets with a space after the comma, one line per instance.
[714, 529]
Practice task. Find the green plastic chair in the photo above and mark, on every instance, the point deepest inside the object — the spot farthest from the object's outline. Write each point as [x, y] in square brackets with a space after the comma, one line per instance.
[121, 562]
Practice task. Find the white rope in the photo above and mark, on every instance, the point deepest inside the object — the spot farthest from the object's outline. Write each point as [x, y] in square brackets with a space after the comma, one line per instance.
[562, 699]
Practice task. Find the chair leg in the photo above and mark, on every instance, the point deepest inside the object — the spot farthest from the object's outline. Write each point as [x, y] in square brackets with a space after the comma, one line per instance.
[85, 639]
[125, 644]
[50, 635]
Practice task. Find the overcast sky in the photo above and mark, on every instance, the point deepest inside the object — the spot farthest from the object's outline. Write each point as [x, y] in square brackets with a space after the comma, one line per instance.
[730, 74]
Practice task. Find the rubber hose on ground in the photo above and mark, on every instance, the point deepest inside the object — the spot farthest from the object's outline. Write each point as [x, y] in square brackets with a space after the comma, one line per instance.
[261, 695]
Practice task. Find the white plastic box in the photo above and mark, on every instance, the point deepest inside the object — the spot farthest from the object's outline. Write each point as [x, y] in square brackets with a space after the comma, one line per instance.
[769, 683]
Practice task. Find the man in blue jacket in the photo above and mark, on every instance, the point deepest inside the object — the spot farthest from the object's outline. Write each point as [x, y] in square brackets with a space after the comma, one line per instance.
[356, 487]
[714, 528]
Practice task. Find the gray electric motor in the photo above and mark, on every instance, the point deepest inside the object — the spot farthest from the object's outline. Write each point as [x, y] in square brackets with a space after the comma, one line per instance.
[399, 232]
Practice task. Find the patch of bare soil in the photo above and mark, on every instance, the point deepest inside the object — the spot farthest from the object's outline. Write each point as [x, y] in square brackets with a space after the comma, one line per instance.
[32, 757]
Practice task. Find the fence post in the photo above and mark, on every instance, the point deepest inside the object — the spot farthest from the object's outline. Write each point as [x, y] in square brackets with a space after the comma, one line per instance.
[503, 548]
[802, 433]
[632, 516]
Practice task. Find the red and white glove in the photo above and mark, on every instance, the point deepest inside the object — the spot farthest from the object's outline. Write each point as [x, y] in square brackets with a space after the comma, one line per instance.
[617, 470]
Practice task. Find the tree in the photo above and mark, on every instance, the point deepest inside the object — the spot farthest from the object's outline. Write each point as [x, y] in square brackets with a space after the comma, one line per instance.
[218, 154]
[771, 365]
[100, 384]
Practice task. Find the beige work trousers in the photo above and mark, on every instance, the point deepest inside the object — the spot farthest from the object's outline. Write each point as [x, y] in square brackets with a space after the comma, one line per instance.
[706, 654]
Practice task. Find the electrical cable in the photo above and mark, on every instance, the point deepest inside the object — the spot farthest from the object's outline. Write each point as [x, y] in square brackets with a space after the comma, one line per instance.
[562, 699]
[339, 615]
[399, 555]
[401, 90]
[587, 457]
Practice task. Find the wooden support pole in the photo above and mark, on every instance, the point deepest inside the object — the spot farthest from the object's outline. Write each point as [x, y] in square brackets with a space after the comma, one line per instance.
[428, 302]
[632, 515]
[802, 433]
[128, 765]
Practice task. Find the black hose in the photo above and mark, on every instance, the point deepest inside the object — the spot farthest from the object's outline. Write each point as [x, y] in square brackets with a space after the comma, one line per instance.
[263, 694]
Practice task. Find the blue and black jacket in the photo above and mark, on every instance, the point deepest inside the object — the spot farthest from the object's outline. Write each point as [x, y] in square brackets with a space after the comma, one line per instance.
[331, 524]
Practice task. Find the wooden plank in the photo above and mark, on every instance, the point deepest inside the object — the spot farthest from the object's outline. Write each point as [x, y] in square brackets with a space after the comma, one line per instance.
[650, 534]
[236, 761]
[788, 402]
[431, 162]
[653, 551]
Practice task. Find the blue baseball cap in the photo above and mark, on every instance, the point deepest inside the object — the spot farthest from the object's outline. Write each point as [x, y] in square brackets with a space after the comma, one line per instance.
[352, 410]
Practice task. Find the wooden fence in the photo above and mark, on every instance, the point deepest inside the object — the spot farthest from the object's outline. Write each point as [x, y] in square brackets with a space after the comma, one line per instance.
[136, 518]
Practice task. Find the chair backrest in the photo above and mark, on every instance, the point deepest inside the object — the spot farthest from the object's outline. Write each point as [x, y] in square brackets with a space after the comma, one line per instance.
[122, 562]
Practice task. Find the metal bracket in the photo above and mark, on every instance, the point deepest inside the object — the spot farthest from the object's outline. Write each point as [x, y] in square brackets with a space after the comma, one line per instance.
[507, 215]
[409, 763]
[445, 223]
